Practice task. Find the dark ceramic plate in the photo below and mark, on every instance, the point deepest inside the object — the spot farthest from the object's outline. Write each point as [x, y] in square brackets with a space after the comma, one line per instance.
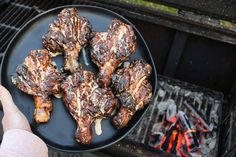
[59, 131]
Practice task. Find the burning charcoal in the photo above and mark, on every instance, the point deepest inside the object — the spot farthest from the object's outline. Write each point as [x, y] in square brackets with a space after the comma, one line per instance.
[198, 116]
[157, 127]
[189, 132]
[214, 117]
[169, 88]
[211, 126]
[187, 93]
[212, 142]
[164, 105]
[183, 150]
[195, 154]
[171, 112]
[180, 143]
[161, 93]
[170, 138]
[156, 140]
[209, 142]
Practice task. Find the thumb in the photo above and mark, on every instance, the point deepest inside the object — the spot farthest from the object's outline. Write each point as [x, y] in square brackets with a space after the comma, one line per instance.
[13, 118]
[7, 103]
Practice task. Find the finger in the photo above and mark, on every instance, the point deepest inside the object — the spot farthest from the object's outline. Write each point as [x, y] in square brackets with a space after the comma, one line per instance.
[16, 121]
[8, 105]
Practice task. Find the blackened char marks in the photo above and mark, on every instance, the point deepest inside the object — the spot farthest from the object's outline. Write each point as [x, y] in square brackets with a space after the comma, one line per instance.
[38, 76]
[109, 49]
[86, 101]
[133, 89]
[68, 33]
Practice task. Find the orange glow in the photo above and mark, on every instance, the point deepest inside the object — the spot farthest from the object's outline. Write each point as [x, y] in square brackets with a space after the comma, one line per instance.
[172, 140]
[189, 131]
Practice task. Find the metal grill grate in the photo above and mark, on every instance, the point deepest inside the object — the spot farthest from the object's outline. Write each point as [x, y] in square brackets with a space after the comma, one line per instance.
[18, 12]
[187, 97]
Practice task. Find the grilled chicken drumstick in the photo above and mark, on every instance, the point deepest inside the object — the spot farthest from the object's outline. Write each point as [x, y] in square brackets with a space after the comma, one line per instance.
[38, 76]
[133, 90]
[68, 33]
[109, 49]
[86, 102]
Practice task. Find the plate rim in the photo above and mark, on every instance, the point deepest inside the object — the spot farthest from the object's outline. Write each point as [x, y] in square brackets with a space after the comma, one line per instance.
[154, 70]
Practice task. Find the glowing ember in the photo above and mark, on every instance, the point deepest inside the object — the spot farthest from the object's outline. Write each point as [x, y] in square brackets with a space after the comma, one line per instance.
[177, 132]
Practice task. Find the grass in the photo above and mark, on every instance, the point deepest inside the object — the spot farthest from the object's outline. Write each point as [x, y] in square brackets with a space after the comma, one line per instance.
[227, 24]
[155, 6]
[174, 11]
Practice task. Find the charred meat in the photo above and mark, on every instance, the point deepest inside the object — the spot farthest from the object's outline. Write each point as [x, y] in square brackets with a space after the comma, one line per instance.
[38, 76]
[133, 90]
[86, 102]
[109, 49]
[68, 33]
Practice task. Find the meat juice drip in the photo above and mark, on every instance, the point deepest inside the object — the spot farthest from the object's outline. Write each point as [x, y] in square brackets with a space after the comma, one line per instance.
[85, 57]
[68, 33]
[98, 126]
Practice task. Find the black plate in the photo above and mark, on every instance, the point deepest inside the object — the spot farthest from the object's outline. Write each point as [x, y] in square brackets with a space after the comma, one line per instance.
[59, 131]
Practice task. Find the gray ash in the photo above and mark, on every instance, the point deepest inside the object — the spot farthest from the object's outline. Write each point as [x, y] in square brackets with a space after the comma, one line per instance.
[182, 120]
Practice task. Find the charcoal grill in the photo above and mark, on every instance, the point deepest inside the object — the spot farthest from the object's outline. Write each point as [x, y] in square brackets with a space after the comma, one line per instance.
[191, 41]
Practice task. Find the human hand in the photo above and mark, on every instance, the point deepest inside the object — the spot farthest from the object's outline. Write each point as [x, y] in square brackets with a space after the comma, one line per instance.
[13, 117]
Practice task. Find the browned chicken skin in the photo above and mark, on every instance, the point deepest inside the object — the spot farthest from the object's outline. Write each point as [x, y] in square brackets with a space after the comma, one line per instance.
[69, 33]
[109, 49]
[86, 102]
[133, 90]
[38, 76]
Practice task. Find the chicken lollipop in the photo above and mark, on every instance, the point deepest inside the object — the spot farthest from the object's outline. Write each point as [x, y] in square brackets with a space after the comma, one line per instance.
[68, 33]
[133, 90]
[86, 102]
[38, 76]
[109, 49]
